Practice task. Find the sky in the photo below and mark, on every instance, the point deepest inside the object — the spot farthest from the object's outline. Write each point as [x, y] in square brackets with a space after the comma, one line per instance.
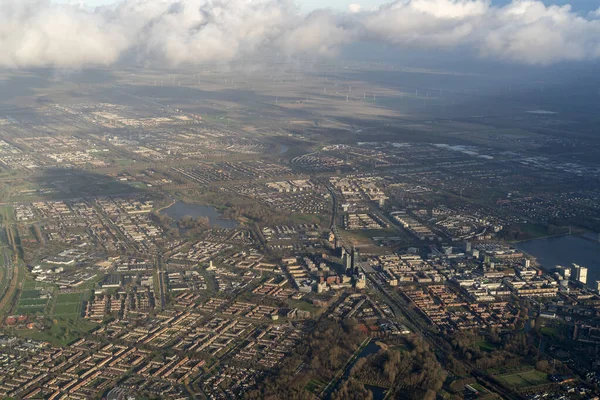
[306, 5]
[173, 33]
[341, 5]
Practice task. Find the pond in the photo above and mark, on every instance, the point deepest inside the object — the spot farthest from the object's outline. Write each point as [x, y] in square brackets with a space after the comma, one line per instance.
[180, 209]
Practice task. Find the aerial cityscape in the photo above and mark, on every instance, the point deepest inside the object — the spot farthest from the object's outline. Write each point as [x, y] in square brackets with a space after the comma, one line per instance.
[299, 227]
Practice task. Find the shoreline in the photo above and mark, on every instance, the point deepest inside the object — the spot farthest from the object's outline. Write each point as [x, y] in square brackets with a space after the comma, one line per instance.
[165, 207]
[589, 239]
[577, 235]
[540, 237]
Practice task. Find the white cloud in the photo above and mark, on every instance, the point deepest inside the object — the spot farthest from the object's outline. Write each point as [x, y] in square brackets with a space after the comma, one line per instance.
[319, 32]
[429, 23]
[530, 32]
[354, 8]
[524, 31]
[37, 33]
[177, 32]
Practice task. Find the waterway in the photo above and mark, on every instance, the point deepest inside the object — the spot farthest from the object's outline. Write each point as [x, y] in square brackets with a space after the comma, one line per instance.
[179, 210]
[378, 392]
[566, 250]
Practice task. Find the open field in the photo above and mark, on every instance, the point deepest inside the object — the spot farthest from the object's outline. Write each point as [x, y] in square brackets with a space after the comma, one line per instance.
[6, 214]
[62, 331]
[68, 306]
[29, 293]
[524, 379]
[34, 285]
[315, 386]
[31, 302]
[486, 346]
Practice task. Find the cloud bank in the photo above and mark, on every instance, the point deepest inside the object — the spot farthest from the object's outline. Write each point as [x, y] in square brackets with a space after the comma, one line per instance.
[38, 33]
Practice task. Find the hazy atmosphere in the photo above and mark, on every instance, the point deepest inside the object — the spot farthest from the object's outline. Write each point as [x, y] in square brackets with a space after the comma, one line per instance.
[311, 200]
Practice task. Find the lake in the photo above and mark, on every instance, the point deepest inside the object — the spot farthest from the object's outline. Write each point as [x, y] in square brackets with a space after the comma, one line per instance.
[566, 250]
[180, 210]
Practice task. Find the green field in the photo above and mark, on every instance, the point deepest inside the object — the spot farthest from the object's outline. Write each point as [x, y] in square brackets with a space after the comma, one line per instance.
[30, 302]
[31, 285]
[30, 294]
[549, 331]
[524, 379]
[68, 306]
[63, 311]
[24, 310]
[486, 346]
[3, 274]
[68, 298]
[62, 331]
[303, 305]
[315, 385]
[6, 214]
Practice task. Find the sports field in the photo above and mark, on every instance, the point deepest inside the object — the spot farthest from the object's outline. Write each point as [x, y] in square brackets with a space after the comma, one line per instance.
[31, 301]
[524, 378]
[68, 306]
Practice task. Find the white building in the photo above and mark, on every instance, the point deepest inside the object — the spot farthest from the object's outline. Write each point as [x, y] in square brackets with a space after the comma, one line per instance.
[580, 273]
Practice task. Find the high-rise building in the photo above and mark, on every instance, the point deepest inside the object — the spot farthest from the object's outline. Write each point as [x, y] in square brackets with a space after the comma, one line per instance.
[583, 275]
[527, 263]
[598, 286]
[354, 260]
[347, 261]
[564, 271]
[579, 273]
[468, 247]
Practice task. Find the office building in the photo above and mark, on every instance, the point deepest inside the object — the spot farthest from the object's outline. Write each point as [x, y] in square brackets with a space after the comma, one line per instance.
[579, 274]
